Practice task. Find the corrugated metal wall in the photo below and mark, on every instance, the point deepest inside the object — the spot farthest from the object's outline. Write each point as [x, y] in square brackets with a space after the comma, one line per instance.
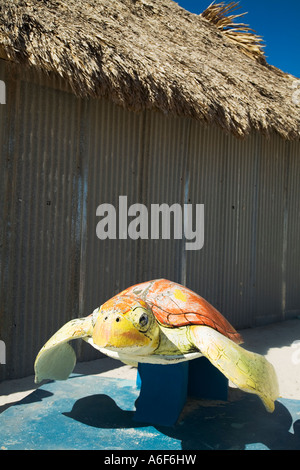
[61, 157]
[249, 265]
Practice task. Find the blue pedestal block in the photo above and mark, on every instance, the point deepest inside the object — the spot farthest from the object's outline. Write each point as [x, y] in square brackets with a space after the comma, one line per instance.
[206, 381]
[164, 389]
[163, 393]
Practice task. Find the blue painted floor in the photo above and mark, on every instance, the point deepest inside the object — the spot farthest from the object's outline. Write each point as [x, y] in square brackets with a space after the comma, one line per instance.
[91, 412]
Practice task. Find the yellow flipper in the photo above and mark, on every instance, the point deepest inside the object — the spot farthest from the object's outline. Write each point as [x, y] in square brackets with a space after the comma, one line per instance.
[249, 371]
[56, 360]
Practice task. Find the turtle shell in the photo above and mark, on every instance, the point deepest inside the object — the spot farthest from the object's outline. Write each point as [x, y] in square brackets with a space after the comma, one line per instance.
[175, 305]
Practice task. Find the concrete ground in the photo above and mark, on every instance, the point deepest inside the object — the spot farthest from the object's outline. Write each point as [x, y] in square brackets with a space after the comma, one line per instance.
[279, 342]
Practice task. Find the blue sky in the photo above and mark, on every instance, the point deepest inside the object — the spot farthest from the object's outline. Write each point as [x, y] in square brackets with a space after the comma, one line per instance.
[277, 21]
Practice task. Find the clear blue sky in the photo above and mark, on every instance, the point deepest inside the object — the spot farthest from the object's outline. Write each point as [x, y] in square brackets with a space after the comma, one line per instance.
[277, 21]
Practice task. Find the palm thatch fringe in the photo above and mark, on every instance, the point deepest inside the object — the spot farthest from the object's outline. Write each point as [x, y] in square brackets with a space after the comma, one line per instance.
[239, 33]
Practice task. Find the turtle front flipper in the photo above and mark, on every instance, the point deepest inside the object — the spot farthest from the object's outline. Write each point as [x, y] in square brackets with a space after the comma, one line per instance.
[249, 371]
[56, 360]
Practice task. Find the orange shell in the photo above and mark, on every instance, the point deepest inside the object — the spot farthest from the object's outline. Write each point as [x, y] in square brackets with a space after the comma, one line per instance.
[175, 305]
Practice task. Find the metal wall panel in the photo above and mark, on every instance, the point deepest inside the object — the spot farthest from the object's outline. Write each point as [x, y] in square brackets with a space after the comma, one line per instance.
[270, 230]
[205, 267]
[61, 157]
[239, 248]
[291, 255]
[224, 179]
[41, 230]
[163, 181]
[250, 189]
[141, 157]
[111, 169]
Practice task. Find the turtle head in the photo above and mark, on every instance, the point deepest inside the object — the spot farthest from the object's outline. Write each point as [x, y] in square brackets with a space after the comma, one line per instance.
[126, 324]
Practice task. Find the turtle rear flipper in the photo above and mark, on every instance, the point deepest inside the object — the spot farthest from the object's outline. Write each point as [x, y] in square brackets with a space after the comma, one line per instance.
[249, 371]
[56, 360]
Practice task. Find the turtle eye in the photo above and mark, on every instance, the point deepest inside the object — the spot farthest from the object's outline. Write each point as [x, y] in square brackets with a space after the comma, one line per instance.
[143, 321]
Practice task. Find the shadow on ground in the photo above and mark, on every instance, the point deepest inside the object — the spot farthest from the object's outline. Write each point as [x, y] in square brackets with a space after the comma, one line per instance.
[98, 413]
[237, 425]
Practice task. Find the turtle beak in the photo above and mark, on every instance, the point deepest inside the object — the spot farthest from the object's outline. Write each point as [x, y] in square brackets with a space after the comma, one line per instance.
[113, 330]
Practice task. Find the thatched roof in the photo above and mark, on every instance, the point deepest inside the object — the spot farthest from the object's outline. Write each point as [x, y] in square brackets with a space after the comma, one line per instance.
[154, 54]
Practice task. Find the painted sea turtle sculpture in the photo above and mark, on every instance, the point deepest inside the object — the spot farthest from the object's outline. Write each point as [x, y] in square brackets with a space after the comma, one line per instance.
[160, 322]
